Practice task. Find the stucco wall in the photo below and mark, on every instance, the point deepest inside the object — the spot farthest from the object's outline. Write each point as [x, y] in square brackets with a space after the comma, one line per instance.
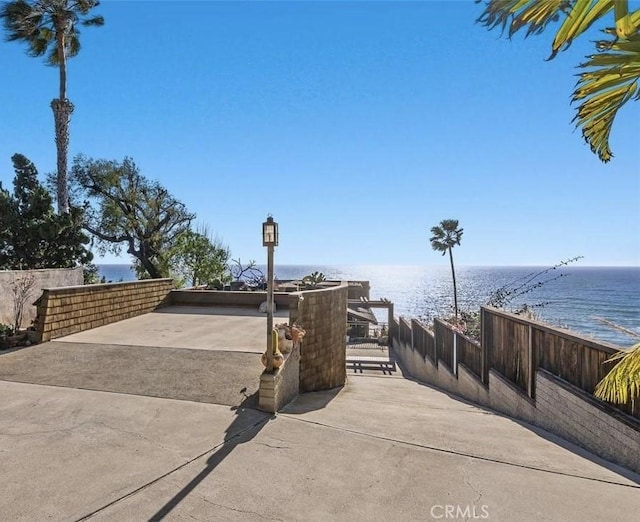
[63, 311]
[45, 278]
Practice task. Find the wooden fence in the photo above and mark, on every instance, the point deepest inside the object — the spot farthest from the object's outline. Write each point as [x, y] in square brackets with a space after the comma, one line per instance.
[515, 348]
[469, 353]
[424, 341]
[445, 339]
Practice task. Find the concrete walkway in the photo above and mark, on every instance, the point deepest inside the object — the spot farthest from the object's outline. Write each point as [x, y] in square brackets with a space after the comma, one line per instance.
[382, 448]
[187, 353]
[98, 430]
[193, 327]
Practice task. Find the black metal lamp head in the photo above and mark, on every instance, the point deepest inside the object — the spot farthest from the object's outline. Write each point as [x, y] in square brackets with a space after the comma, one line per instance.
[269, 232]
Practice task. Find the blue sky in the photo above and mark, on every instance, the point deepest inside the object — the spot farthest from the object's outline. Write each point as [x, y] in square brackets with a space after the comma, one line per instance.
[358, 125]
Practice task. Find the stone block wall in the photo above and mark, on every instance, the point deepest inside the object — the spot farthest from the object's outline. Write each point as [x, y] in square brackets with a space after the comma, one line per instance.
[323, 354]
[245, 299]
[574, 415]
[43, 278]
[68, 310]
[279, 388]
[559, 407]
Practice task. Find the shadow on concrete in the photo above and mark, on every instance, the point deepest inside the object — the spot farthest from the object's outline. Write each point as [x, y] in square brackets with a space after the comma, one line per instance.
[14, 349]
[312, 401]
[540, 432]
[243, 429]
[213, 377]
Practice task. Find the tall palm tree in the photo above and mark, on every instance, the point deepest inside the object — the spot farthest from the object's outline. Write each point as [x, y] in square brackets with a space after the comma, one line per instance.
[446, 235]
[49, 27]
[609, 78]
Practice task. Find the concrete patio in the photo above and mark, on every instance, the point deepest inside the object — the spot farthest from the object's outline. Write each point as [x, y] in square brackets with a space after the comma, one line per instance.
[113, 424]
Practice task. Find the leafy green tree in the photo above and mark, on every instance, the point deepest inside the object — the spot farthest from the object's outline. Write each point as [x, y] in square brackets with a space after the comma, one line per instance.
[609, 78]
[446, 235]
[197, 259]
[123, 208]
[50, 27]
[32, 235]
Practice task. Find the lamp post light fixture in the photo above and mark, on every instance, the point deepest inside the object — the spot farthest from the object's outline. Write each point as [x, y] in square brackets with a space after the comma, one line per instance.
[270, 240]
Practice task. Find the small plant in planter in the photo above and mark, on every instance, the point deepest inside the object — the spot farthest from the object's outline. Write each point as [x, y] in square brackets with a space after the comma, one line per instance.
[312, 280]
[284, 339]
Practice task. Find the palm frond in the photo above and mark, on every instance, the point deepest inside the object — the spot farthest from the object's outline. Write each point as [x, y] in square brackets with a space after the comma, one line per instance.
[610, 81]
[38, 46]
[622, 384]
[73, 44]
[446, 235]
[96, 21]
[578, 20]
[535, 15]
[37, 23]
[516, 14]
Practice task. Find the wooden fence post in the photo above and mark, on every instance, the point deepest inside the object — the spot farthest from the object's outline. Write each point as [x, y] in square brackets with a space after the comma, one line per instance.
[532, 370]
[413, 348]
[484, 346]
[454, 362]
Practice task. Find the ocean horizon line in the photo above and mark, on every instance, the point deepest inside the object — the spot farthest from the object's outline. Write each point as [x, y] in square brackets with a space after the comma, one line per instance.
[430, 265]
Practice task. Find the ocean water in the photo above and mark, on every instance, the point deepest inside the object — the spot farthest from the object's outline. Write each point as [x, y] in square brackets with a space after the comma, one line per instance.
[573, 301]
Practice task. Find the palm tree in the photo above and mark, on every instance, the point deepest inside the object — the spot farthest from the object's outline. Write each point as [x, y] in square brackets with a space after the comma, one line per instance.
[622, 384]
[445, 236]
[49, 27]
[609, 78]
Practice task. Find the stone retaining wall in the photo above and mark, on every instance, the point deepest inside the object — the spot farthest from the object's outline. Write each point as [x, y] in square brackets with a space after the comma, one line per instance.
[72, 309]
[249, 299]
[558, 407]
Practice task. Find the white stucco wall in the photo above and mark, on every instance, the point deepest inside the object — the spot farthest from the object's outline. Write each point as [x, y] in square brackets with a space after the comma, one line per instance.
[45, 278]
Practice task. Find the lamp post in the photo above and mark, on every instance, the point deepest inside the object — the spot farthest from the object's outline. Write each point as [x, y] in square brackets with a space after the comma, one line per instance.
[270, 240]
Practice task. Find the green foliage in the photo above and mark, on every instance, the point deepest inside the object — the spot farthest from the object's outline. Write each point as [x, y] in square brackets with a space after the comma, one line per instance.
[123, 208]
[91, 275]
[31, 234]
[622, 384]
[197, 259]
[48, 26]
[312, 280]
[610, 79]
[6, 329]
[445, 236]
[50, 29]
